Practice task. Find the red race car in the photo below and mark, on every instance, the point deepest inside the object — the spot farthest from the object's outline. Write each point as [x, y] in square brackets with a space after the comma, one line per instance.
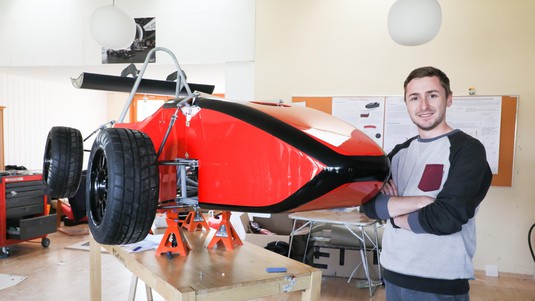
[200, 150]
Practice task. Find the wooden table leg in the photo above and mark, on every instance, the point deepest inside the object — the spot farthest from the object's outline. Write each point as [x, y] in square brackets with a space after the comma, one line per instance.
[59, 213]
[313, 293]
[95, 275]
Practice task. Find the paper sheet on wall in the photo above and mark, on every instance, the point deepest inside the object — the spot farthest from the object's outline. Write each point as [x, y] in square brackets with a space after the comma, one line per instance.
[480, 117]
[398, 125]
[364, 113]
[300, 103]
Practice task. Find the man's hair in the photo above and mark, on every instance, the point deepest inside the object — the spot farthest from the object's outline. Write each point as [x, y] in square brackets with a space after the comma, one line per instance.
[428, 71]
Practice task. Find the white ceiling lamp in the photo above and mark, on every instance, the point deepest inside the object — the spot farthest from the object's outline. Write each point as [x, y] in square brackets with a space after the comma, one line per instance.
[112, 27]
[414, 22]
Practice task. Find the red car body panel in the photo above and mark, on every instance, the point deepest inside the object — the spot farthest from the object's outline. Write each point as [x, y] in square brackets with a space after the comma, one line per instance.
[265, 157]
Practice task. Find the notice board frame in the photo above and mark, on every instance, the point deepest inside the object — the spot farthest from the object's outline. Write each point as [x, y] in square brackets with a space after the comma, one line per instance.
[508, 124]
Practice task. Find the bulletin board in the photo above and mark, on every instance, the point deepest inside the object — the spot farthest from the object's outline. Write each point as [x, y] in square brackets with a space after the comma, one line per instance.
[509, 106]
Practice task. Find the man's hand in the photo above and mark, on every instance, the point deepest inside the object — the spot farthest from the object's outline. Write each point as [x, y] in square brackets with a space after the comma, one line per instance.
[390, 188]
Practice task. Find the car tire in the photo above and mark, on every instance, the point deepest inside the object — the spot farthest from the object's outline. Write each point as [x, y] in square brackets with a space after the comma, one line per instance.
[122, 186]
[62, 162]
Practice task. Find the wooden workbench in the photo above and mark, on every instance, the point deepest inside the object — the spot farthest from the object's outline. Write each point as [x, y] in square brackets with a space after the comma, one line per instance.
[211, 274]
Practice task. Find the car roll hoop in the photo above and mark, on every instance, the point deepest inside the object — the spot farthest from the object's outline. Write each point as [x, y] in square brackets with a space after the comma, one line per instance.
[180, 82]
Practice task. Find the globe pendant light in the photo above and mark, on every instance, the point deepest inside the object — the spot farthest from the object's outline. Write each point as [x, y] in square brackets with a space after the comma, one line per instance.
[414, 22]
[112, 27]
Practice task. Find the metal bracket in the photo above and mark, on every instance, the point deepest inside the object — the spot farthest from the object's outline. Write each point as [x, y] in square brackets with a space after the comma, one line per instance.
[189, 112]
[174, 76]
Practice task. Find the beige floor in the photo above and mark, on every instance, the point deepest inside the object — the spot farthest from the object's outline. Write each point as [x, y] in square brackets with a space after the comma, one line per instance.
[58, 273]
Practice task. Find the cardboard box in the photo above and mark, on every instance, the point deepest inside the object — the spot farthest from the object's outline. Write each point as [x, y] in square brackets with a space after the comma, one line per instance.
[341, 262]
[242, 228]
[340, 235]
[278, 223]
[261, 240]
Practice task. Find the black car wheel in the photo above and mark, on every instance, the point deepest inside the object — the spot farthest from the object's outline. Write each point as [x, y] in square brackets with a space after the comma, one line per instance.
[62, 162]
[122, 186]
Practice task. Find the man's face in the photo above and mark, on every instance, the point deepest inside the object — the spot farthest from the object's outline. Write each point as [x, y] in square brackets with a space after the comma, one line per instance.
[426, 103]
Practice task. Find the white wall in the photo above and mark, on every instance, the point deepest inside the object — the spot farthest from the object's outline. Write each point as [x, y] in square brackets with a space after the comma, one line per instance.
[34, 106]
[57, 32]
[342, 47]
[239, 80]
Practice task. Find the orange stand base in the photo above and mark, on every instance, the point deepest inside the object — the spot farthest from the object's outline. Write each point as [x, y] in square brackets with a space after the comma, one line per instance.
[195, 220]
[225, 234]
[173, 240]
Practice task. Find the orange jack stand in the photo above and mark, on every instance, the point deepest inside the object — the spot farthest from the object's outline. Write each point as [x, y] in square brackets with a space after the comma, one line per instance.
[226, 234]
[173, 240]
[194, 220]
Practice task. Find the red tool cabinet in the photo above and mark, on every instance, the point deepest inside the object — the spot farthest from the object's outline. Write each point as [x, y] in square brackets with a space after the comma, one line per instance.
[24, 214]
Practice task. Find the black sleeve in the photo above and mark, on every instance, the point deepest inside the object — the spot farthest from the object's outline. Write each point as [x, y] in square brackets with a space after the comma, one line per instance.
[467, 184]
[369, 209]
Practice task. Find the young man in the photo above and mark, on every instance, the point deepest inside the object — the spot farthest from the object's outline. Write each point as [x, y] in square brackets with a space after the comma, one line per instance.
[438, 180]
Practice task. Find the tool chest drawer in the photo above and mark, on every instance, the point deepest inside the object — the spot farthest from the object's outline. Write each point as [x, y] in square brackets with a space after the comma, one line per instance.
[24, 198]
[29, 228]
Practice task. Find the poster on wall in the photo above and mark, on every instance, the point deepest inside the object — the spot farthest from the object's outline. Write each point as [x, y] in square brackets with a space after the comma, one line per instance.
[144, 42]
[479, 117]
[364, 113]
[398, 125]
